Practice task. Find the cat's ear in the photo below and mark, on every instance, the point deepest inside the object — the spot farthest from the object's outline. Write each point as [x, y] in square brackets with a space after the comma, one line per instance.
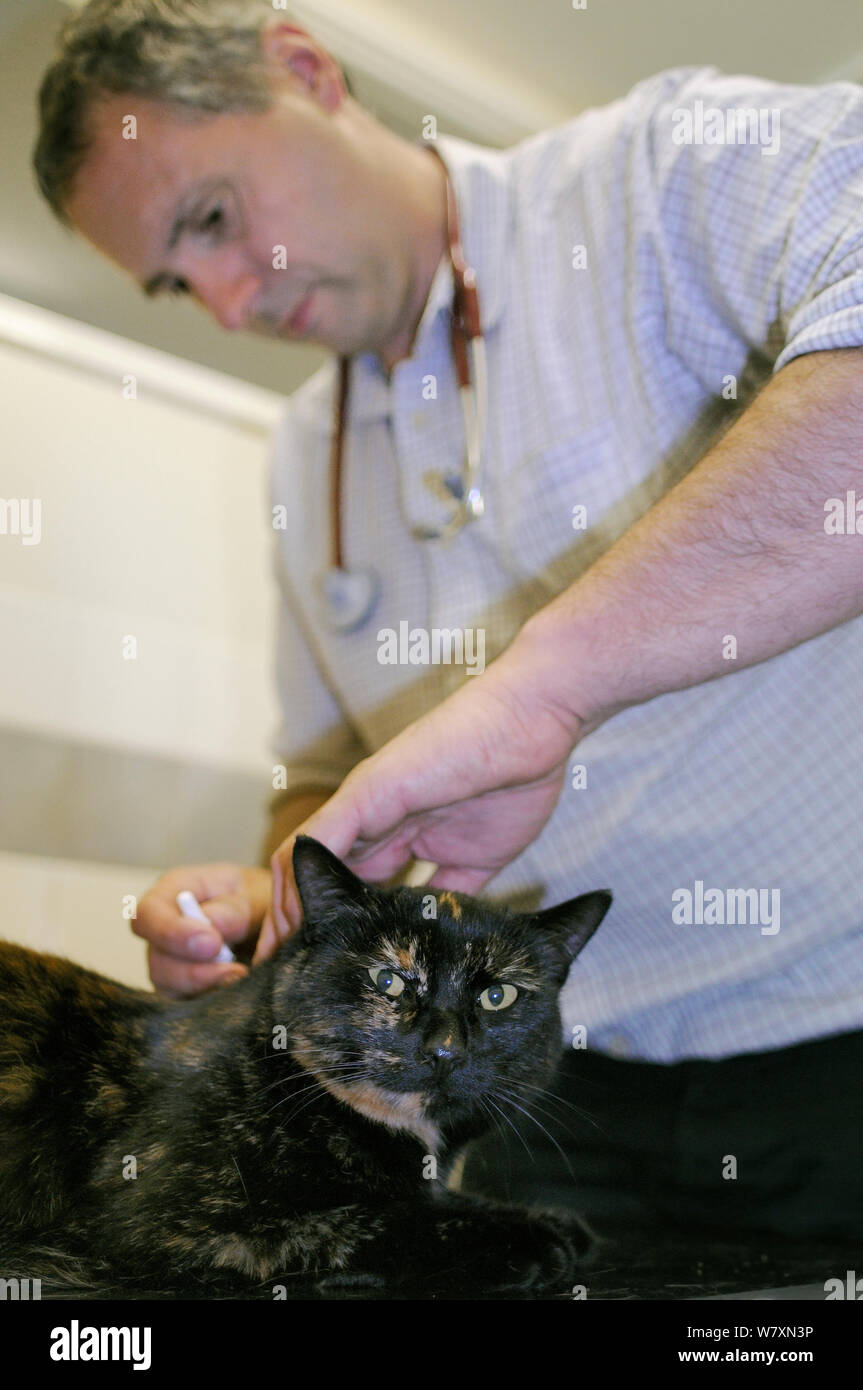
[574, 922]
[326, 886]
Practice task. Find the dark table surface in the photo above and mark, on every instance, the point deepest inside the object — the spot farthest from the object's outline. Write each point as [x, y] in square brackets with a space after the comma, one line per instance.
[650, 1264]
[661, 1266]
[633, 1263]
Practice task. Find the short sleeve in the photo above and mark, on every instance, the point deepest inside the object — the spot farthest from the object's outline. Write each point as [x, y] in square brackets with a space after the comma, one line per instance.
[757, 235]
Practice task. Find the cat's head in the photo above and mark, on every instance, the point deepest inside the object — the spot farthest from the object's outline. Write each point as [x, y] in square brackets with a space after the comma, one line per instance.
[419, 1007]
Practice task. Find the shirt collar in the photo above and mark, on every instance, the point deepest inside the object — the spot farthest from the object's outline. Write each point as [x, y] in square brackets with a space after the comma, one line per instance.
[483, 200]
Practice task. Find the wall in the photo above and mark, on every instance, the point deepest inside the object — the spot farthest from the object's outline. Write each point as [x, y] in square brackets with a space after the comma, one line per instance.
[135, 704]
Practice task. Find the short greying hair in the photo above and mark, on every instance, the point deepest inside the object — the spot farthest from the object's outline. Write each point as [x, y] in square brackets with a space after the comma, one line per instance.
[200, 56]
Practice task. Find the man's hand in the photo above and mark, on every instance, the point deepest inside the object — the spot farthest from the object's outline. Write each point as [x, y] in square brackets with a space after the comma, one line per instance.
[738, 546]
[468, 787]
[182, 951]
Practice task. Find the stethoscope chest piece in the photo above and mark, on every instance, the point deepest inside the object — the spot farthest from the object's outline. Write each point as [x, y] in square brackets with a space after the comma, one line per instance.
[347, 598]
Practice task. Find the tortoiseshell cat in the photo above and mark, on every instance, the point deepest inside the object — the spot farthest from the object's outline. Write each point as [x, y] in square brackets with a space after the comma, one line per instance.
[289, 1126]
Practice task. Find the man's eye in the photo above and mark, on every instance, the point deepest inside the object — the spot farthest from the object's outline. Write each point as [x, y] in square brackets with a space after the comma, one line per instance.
[177, 287]
[498, 997]
[386, 980]
[214, 220]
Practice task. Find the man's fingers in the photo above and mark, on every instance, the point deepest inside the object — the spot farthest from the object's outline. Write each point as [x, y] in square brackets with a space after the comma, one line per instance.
[372, 856]
[336, 824]
[279, 922]
[233, 898]
[267, 941]
[469, 881]
[233, 914]
[179, 979]
[162, 924]
[379, 863]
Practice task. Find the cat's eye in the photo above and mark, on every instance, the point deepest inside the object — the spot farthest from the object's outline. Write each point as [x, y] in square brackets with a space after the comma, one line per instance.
[386, 980]
[498, 997]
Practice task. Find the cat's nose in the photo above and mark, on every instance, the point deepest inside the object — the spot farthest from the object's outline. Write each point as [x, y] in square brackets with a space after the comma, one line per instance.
[444, 1045]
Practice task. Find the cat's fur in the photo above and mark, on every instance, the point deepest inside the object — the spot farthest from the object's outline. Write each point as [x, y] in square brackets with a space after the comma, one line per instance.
[283, 1128]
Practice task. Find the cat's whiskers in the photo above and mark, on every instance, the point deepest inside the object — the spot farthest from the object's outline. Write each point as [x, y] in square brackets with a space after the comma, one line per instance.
[307, 1079]
[559, 1100]
[318, 1088]
[316, 1080]
[531, 1101]
[351, 1072]
[282, 1080]
[303, 1075]
[317, 1092]
[323, 1049]
[242, 1180]
[286, 1081]
[508, 1100]
[495, 1121]
[514, 1129]
[323, 1090]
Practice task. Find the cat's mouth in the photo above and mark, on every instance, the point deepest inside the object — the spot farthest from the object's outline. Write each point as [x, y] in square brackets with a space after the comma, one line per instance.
[425, 1105]
[444, 1098]
[395, 1108]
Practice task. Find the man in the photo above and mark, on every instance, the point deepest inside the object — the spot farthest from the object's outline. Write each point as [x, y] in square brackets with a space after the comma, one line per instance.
[673, 322]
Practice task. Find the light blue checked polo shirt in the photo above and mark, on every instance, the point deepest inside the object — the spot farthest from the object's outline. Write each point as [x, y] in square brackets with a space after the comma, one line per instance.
[629, 275]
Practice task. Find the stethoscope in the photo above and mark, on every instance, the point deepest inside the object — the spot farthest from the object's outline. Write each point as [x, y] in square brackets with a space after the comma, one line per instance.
[348, 597]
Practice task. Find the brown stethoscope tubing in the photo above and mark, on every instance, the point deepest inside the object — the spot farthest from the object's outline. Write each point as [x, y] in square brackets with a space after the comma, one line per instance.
[468, 351]
[336, 458]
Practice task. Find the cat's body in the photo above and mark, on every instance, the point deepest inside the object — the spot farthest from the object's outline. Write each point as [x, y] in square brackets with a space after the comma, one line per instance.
[298, 1125]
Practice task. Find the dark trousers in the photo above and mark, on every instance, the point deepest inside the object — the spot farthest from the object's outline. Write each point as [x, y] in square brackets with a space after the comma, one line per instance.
[646, 1144]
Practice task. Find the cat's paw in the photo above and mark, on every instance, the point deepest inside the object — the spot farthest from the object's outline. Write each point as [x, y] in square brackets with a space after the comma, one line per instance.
[518, 1251]
[543, 1252]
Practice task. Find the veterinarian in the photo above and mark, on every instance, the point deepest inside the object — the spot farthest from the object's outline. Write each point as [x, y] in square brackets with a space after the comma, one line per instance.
[645, 527]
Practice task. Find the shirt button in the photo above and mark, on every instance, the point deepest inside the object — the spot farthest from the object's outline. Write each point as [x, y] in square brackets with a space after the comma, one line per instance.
[420, 419]
[619, 1045]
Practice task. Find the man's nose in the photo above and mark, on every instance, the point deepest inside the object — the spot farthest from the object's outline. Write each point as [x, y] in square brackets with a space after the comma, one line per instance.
[444, 1044]
[229, 299]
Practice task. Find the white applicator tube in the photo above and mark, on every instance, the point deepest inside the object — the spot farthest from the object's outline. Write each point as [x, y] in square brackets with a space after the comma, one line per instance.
[190, 907]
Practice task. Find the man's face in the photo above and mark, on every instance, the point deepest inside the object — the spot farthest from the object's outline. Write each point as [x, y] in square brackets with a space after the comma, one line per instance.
[203, 207]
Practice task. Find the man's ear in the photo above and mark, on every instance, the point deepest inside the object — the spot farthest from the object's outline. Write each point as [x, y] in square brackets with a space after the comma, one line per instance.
[295, 51]
[573, 923]
[326, 886]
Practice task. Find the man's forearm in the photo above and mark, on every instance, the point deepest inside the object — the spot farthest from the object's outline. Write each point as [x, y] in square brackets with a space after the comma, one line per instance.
[289, 814]
[737, 549]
